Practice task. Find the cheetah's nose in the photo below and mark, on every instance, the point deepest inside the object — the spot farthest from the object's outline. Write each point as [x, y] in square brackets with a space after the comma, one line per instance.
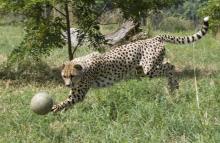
[69, 85]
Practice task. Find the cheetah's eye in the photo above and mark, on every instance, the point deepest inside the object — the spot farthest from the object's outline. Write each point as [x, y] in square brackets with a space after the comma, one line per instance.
[64, 76]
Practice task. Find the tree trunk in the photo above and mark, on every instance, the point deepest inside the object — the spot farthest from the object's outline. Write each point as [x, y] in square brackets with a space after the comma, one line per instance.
[68, 32]
[127, 30]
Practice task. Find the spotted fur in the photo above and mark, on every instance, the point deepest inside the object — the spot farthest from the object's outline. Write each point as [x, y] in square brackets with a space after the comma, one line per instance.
[101, 70]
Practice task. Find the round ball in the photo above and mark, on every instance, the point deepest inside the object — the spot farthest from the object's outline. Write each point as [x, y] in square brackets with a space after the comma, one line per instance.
[41, 103]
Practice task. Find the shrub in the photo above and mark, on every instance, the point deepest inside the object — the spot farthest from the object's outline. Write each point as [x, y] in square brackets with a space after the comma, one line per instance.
[174, 24]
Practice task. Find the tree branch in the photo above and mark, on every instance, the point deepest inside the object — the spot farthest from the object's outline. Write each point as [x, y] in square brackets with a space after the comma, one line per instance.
[86, 31]
[59, 11]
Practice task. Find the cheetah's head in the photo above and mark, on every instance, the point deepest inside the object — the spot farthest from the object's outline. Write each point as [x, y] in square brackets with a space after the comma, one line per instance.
[71, 73]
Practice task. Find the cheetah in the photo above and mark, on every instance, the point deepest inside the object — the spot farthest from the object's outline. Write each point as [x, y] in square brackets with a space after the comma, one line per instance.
[101, 70]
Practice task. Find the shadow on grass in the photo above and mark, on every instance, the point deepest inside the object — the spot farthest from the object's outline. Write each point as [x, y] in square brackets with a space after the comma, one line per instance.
[41, 73]
[31, 73]
[189, 72]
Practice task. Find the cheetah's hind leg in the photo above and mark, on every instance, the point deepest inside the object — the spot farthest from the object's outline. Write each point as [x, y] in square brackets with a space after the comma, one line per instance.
[170, 73]
[167, 70]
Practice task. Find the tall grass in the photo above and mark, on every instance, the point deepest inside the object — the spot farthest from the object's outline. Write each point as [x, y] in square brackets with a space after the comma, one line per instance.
[130, 111]
[10, 36]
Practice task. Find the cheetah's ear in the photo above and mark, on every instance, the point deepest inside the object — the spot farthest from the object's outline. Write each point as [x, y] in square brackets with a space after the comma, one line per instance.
[61, 67]
[78, 67]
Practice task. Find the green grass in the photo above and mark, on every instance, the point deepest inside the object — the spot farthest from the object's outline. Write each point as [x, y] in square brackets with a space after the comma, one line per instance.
[10, 36]
[130, 111]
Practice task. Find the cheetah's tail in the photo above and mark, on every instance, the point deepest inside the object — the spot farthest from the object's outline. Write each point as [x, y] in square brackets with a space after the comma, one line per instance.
[188, 39]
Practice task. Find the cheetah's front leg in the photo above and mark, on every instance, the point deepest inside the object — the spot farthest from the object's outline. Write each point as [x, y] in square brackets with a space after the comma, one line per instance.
[72, 99]
[76, 95]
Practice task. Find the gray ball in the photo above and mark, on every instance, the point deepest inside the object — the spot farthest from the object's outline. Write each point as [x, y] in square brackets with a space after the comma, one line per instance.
[41, 103]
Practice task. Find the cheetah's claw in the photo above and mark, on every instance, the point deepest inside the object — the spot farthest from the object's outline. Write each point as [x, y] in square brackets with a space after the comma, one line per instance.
[55, 108]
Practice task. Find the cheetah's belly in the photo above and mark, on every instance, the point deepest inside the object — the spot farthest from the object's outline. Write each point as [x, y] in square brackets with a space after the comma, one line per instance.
[103, 82]
[110, 79]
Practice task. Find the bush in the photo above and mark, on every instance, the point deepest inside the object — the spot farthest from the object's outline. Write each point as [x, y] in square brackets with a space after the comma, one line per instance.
[111, 17]
[174, 24]
[29, 70]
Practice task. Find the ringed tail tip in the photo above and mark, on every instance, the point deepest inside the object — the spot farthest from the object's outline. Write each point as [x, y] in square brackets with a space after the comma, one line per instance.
[206, 18]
